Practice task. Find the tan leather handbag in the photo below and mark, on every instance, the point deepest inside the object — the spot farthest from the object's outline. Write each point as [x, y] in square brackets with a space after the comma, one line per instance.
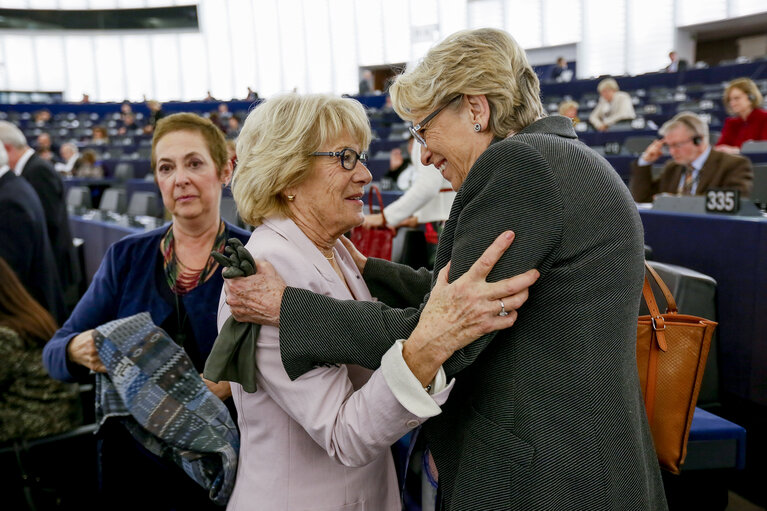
[671, 355]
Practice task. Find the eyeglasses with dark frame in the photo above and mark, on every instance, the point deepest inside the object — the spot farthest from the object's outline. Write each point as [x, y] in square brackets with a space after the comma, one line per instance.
[348, 157]
[418, 127]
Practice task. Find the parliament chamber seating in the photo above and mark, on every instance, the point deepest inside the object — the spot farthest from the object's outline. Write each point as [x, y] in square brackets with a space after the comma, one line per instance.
[114, 200]
[144, 204]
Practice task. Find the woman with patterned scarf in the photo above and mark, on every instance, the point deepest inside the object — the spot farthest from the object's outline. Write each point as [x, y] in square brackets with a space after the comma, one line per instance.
[169, 273]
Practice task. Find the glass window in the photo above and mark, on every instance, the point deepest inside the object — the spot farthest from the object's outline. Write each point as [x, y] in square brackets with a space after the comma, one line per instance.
[369, 16]
[562, 22]
[603, 44]
[109, 69]
[49, 50]
[165, 60]
[244, 47]
[193, 58]
[268, 55]
[292, 33]
[81, 75]
[396, 26]
[321, 67]
[523, 21]
[138, 67]
[485, 13]
[343, 43]
[215, 29]
[20, 63]
[650, 35]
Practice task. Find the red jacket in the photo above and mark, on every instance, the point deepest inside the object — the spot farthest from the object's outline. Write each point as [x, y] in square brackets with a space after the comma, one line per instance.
[736, 130]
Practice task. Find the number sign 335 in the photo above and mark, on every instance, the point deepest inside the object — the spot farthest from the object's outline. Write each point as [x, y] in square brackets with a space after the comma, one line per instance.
[722, 200]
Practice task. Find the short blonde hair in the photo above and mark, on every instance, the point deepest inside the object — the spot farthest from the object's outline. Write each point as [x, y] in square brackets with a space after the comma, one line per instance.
[484, 61]
[746, 85]
[275, 145]
[566, 105]
[608, 83]
[694, 124]
[214, 137]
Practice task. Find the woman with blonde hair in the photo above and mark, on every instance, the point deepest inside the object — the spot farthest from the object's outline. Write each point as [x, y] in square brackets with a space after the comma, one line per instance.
[614, 105]
[547, 414]
[569, 109]
[743, 99]
[321, 441]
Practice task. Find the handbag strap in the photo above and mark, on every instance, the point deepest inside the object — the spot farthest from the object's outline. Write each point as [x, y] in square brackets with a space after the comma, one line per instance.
[670, 302]
[380, 201]
[658, 323]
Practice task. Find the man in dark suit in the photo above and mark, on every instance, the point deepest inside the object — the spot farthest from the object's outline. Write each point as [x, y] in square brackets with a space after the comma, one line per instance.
[694, 166]
[50, 189]
[24, 240]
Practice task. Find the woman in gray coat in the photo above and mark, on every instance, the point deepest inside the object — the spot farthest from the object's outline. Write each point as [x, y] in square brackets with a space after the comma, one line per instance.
[547, 414]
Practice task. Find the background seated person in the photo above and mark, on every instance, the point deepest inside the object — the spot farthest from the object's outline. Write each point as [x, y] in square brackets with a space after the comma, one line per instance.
[45, 148]
[560, 72]
[569, 108]
[614, 105]
[742, 98]
[676, 63]
[401, 169]
[129, 125]
[69, 156]
[42, 118]
[99, 136]
[32, 404]
[86, 166]
[693, 168]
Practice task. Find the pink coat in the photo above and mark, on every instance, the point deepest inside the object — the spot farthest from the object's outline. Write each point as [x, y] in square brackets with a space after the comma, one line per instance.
[320, 442]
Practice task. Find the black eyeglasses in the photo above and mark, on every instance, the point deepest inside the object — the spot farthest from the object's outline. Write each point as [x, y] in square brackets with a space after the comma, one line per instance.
[348, 157]
[418, 127]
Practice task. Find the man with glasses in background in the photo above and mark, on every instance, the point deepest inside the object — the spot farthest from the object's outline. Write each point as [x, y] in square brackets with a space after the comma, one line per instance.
[694, 167]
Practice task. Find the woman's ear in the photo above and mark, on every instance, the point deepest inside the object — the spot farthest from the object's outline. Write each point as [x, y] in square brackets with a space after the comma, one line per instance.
[479, 110]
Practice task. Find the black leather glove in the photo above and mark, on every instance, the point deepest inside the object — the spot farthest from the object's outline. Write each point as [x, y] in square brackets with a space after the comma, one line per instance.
[238, 262]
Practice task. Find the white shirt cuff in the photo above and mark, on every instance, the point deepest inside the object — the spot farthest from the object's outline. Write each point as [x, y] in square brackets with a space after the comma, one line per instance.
[408, 390]
[642, 163]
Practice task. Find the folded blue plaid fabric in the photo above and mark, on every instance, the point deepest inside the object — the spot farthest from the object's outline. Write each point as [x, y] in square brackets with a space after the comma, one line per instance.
[152, 386]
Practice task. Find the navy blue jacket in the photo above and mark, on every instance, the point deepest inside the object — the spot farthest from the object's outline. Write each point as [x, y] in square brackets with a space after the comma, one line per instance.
[126, 284]
[25, 246]
[50, 188]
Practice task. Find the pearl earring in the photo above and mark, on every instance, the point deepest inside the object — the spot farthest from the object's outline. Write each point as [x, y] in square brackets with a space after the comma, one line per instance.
[477, 127]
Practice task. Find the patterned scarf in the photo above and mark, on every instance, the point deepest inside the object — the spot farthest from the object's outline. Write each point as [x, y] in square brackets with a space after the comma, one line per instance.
[180, 278]
[153, 389]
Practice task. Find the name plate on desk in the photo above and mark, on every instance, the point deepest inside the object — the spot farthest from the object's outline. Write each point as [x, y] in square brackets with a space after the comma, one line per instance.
[680, 203]
[722, 200]
[699, 204]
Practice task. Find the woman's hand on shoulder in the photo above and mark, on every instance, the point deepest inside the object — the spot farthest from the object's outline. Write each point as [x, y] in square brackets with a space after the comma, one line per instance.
[82, 350]
[257, 298]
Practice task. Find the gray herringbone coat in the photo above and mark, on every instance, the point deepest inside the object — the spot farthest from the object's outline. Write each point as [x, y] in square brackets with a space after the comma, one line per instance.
[547, 415]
